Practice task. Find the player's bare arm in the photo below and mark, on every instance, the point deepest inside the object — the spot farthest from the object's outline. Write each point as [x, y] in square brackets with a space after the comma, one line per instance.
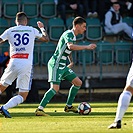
[70, 58]
[45, 35]
[72, 46]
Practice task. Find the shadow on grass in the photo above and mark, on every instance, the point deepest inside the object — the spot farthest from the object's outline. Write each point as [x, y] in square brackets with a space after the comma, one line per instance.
[63, 114]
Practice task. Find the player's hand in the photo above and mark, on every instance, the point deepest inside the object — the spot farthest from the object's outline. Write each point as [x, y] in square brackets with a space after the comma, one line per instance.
[91, 46]
[70, 65]
[40, 24]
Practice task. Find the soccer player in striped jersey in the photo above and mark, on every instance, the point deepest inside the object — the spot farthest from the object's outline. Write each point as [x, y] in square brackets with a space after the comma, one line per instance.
[58, 69]
[21, 39]
[124, 99]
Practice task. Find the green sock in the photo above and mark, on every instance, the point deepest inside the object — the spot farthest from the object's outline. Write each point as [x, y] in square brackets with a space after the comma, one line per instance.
[47, 97]
[72, 93]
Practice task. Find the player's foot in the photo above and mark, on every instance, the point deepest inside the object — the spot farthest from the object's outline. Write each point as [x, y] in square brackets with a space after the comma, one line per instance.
[40, 112]
[5, 112]
[70, 109]
[115, 125]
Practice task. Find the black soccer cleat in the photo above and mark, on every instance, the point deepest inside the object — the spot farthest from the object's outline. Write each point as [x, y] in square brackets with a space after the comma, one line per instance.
[5, 112]
[115, 125]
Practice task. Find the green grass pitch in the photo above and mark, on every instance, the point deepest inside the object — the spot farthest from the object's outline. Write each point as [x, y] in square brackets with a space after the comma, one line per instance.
[24, 120]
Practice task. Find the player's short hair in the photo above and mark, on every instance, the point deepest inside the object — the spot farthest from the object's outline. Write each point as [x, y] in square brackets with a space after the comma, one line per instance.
[78, 20]
[21, 16]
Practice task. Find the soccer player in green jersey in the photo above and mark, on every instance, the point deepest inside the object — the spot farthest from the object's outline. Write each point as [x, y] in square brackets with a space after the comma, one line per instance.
[58, 70]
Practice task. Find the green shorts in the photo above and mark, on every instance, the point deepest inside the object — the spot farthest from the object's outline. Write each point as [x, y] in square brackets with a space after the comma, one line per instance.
[56, 75]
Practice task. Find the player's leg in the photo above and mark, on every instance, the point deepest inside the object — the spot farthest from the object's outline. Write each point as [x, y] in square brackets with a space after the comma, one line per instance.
[23, 82]
[46, 99]
[7, 78]
[54, 79]
[76, 84]
[124, 100]
[2, 110]
[123, 103]
[14, 101]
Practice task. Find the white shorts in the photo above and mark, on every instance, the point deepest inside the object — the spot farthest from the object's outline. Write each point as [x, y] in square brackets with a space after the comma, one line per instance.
[21, 70]
[129, 81]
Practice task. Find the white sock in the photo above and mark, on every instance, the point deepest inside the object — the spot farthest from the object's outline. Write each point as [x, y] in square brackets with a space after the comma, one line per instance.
[14, 101]
[123, 103]
[40, 107]
[0, 92]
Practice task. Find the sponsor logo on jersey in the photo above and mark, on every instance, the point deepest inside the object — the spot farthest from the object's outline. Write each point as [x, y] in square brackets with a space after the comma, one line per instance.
[21, 49]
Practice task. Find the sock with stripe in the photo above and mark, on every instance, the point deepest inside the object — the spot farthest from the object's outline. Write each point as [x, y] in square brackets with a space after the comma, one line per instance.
[72, 93]
[47, 97]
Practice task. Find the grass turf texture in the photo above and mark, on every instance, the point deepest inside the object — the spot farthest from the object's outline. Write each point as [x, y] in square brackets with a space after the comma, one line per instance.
[24, 120]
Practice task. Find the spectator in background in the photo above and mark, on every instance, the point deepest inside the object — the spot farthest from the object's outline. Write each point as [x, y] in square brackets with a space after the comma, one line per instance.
[90, 7]
[103, 7]
[113, 21]
[64, 5]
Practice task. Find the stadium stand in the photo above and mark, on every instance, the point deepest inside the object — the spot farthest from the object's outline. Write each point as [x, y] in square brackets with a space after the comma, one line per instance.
[12, 22]
[86, 56]
[128, 20]
[3, 24]
[11, 8]
[46, 50]
[105, 53]
[56, 28]
[36, 55]
[30, 7]
[123, 52]
[94, 29]
[48, 9]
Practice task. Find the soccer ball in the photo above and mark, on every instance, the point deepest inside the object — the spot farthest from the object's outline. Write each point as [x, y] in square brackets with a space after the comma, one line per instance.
[84, 108]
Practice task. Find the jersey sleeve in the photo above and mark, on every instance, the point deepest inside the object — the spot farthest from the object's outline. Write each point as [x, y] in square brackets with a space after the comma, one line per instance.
[4, 36]
[68, 38]
[37, 33]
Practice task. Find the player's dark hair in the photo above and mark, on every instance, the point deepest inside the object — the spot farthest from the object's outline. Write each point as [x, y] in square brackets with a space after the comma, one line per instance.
[78, 20]
[21, 16]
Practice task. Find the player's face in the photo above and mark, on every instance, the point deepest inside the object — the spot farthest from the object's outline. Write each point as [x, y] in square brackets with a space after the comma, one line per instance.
[81, 28]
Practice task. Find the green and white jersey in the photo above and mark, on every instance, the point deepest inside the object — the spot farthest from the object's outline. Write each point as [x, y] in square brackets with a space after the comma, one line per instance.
[59, 58]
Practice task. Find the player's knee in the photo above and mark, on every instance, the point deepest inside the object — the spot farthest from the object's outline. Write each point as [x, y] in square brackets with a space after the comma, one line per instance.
[78, 83]
[24, 95]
